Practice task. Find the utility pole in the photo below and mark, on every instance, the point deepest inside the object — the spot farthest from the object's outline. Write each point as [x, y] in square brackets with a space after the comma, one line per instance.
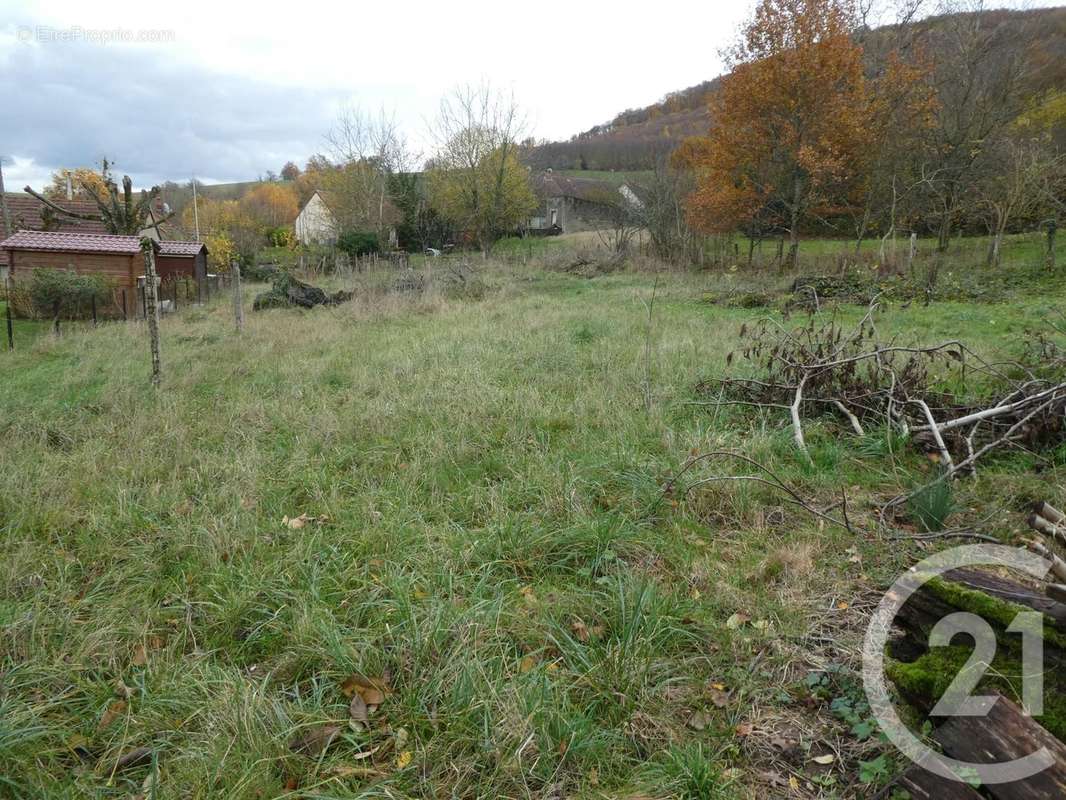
[195, 210]
[6, 221]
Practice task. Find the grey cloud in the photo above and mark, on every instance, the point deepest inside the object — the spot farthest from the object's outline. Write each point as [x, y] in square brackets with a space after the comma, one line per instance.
[160, 118]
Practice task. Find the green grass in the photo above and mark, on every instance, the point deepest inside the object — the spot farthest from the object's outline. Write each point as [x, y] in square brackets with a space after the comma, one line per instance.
[486, 476]
[614, 176]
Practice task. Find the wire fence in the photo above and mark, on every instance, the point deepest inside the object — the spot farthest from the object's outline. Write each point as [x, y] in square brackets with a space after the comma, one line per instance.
[19, 329]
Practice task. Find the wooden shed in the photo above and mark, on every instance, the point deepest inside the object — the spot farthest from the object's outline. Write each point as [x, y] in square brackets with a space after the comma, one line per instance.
[116, 258]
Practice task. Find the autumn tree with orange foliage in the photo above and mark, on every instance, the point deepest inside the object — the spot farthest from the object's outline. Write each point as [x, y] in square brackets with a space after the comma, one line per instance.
[271, 204]
[789, 124]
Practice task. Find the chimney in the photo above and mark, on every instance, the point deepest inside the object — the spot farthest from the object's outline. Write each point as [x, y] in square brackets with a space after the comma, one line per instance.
[70, 188]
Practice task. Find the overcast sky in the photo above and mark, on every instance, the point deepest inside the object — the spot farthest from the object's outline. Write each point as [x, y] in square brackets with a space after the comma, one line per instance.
[227, 91]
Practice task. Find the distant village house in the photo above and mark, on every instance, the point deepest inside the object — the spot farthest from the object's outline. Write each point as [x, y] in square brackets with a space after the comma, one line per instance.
[318, 223]
[315, 224]
[568, 204]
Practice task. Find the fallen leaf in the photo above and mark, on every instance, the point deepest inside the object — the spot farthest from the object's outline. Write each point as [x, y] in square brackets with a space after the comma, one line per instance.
[315, 741]
[737, 620]
[526, 664]
[133, 758]
[403, 759]
[527, 593]
[828, 758]
[140, 656]
[761, 625]
[580, 630]
[113, 712]
[357, 682]
[719, 697]
[699, 720]
[357, 710]
[372, 696]
[295, 523]
[842, 606]
[793, 782]
[744, 729]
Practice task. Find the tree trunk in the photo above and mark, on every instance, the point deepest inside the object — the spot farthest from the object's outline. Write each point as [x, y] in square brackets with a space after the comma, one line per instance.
[861, 234]
[793, 233]
[943, 237]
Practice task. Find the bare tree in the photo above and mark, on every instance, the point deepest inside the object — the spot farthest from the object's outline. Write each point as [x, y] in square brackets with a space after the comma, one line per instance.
[477, 135]
[979, 76]
[663, 212]
[365, 152]
[1012, 188]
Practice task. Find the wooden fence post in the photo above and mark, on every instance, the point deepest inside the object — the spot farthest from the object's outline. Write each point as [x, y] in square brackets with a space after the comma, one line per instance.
[125, 313]
[93, 301]
[151, 308]
[238, 303]
[10, 327]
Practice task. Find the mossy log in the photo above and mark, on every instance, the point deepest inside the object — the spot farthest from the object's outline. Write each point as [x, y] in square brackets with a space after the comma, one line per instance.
[922, 674]
[920, 784]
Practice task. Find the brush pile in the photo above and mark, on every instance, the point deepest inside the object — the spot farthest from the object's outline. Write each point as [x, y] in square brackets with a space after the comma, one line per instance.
[824, 369]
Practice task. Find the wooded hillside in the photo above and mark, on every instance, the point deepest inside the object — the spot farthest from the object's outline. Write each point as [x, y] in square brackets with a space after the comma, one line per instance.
[636, 137]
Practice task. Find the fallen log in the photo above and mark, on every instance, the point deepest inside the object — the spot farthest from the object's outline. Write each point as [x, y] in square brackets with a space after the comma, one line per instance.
[961, 590]
[1046, 527]
[1005, 734]
[1049, 512]
[920, 784]
[1058, 566]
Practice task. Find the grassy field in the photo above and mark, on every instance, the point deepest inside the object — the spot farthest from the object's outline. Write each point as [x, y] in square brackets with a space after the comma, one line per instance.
[614, 176]
[479, 533]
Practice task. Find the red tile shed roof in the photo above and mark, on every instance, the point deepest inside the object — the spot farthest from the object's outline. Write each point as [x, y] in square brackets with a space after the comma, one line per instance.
[26, 214]
[63, 242]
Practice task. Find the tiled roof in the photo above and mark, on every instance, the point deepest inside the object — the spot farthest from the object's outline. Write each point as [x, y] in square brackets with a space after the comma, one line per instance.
[64, 242]
[552, 184]
[26, 214]
[174, 247]
[25, 211]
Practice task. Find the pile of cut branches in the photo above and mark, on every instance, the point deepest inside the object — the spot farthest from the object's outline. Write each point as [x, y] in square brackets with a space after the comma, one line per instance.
[823, 368]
